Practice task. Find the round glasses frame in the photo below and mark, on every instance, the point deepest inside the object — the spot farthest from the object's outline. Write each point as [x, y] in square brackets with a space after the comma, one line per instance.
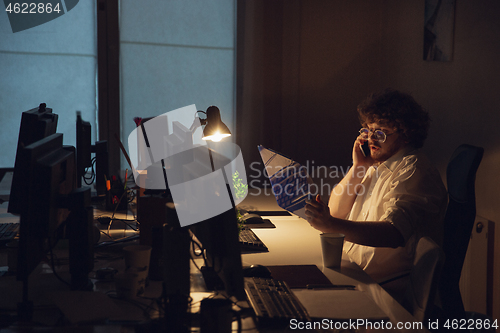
[378, 135]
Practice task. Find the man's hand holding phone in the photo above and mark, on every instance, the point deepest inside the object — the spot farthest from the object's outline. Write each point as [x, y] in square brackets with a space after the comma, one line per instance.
[361, 153]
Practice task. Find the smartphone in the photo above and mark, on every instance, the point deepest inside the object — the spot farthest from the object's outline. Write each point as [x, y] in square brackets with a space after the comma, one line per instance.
[365, 149]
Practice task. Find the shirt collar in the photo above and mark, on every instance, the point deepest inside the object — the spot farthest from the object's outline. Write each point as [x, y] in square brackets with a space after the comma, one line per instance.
[392, 162]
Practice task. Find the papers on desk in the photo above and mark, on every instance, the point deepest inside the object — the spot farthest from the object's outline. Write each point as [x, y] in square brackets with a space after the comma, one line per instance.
[339, 305]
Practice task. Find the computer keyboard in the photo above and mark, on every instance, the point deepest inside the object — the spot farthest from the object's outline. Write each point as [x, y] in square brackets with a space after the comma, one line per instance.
[8, 231]
[250, 242]
[273, 302]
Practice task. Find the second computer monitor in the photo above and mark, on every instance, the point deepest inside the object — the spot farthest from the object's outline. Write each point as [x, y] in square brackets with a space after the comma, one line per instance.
[36, 124]
[50, 172]
[84, 160]
[219, 238]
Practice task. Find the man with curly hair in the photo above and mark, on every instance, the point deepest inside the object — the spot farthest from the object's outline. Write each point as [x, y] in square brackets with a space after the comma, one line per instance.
[391, 197]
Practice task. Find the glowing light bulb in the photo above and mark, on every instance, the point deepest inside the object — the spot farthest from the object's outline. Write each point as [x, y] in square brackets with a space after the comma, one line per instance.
[216, 137]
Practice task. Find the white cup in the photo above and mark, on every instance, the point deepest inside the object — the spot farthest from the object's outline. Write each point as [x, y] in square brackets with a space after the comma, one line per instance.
[331, 245]
[137, 261]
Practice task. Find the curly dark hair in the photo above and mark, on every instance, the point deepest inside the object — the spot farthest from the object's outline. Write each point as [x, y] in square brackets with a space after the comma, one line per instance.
[399, 110]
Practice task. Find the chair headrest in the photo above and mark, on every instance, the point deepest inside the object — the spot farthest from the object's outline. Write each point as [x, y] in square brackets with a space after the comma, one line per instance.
[461, 172]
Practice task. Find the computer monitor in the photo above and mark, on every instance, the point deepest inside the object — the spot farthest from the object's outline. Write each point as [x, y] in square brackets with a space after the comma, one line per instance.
[84, 160]
[83, 147]
[53, 208]
[219, 238]
[38, 218]
[218, 234]
[36, 124]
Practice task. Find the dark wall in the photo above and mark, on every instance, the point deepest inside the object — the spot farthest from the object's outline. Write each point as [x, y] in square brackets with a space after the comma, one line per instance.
[303, 66]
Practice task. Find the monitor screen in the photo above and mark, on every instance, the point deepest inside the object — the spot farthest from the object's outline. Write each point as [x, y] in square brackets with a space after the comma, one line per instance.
[83, 147]
[36, 124]
[84, 159]
[50, 173]
[53, 208]
[219, 239]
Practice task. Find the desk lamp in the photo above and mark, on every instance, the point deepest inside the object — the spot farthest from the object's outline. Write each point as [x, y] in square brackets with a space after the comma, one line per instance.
[215, 130]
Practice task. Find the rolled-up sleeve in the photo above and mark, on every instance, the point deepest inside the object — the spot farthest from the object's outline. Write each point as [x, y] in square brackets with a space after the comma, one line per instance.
[414, 199]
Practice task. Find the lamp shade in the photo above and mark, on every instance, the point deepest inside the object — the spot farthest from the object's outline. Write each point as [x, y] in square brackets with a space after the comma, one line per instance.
[215, 129]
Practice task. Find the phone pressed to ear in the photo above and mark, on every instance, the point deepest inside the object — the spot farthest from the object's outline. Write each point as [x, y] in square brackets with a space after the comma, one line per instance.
[365, 149]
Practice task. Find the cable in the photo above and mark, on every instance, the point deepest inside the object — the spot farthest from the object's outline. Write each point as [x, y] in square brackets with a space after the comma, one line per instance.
[131, 195]
[195, 244]
[126, 222]
[114, 212]
[89, 180]
[54, 268]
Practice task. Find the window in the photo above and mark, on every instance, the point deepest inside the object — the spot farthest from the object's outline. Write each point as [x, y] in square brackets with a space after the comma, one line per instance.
[174, 54]
[53, 63]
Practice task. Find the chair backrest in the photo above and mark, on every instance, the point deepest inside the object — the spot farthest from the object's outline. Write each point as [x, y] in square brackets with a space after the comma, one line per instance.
[458, 222]
[424, 277]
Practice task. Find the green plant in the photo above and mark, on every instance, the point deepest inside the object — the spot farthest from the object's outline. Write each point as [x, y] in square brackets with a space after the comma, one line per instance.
[240, 191]
[240, 221]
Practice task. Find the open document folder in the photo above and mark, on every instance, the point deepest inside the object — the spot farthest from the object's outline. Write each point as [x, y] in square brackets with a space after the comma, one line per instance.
[289, 179]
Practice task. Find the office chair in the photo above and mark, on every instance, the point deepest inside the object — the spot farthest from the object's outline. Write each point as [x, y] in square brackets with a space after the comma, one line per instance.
[458, 223]
[424, 278]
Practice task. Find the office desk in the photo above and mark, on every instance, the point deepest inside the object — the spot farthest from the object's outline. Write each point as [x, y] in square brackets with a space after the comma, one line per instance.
[295, 242]
[51, 298]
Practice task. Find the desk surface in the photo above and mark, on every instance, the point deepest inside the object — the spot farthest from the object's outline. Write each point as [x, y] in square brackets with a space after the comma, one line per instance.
[294, 242]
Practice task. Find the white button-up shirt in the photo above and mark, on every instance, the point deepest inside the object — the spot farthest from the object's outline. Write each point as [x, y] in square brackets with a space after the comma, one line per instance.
[407, 191]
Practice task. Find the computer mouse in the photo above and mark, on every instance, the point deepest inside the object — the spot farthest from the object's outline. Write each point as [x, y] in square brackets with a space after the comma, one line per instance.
[252, 219]
[257, 271]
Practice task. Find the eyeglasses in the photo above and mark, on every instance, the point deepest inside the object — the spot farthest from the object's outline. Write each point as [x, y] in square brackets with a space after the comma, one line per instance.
[378, 135]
